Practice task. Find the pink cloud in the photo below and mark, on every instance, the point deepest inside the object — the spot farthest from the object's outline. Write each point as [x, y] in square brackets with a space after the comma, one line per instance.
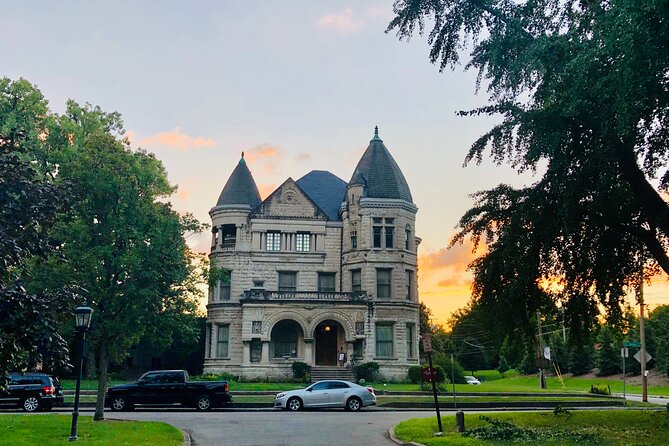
[343, 22]
[175, 139]
[260, 152]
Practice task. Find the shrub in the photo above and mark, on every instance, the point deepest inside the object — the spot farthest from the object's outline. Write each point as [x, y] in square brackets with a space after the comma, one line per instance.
[301, 370]
[600, 390]
[415, 374]
[368, 371]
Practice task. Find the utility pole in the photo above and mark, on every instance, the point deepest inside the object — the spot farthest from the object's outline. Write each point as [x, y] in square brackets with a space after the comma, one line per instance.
[642, 336]
[542, 378]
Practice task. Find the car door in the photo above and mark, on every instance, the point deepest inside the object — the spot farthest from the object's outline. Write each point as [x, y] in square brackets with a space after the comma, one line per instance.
[339, 393]
[318, 395]
[173, 388]
[147, 388]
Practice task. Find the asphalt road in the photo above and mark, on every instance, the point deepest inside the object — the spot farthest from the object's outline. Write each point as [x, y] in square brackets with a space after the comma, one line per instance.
[331, 428]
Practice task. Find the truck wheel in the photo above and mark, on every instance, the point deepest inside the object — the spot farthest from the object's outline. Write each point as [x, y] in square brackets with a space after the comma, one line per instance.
[353, 404]
[31, 403]
[203, 403]
[294, 404]
[119, 403]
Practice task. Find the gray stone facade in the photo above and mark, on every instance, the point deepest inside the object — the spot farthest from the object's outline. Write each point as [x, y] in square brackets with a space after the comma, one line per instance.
[320, 267]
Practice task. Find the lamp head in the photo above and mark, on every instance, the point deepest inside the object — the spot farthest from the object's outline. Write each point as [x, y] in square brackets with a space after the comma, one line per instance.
[82, 317]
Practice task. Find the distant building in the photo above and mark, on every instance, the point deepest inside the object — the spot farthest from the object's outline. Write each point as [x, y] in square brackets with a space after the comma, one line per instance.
[319, 267]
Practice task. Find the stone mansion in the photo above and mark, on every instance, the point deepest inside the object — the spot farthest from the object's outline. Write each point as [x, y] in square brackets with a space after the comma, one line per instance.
[319, 267]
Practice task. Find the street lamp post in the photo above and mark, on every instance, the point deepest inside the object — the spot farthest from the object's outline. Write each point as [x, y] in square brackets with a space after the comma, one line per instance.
[82, 317]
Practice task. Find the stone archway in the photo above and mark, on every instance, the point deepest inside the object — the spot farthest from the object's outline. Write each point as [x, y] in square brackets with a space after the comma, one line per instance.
[328, 337]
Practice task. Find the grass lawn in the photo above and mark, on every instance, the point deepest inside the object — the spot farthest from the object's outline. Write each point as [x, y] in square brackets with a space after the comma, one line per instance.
[54, 429]
[628, 428]
[381, 399]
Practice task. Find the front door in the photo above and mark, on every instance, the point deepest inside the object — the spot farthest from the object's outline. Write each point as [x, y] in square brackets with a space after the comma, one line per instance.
[326, 343]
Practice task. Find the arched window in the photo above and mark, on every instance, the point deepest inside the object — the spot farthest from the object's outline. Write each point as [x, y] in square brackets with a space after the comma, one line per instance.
[284, 339]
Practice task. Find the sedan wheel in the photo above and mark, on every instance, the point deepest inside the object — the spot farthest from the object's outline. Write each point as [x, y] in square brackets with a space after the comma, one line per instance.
[294, 404]
[119, 403]
[353, 404]
[31, 404]
[203, 403]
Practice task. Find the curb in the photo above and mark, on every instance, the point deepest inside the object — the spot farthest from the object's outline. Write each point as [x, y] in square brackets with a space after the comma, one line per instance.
[188, 441]
[394, 439]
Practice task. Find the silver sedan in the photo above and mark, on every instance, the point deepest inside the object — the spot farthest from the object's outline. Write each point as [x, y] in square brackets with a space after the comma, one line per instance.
[330, 393]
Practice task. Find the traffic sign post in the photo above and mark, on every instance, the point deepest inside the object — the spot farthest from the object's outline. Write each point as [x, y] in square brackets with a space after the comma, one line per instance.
[624, 353]
[427, 347]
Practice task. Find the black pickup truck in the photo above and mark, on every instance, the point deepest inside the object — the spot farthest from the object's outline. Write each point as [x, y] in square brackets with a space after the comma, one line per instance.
[168, 388]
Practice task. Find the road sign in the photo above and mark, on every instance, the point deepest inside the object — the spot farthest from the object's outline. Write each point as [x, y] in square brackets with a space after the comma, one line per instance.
[632, 344]
[547, 353]
[624, 352]
[427, 342]
[637, 356]
[429, 373]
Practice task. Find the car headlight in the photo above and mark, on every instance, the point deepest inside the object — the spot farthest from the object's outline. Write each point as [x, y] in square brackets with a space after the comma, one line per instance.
[280, 395]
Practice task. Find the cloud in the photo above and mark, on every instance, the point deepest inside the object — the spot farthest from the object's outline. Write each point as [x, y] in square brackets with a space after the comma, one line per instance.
[459, 256]
[303, 157]
[260, 152]
[175, 139]
[343, 22]
[453, 281]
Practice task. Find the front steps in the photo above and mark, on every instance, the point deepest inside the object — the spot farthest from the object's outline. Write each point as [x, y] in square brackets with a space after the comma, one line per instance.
[319, 373]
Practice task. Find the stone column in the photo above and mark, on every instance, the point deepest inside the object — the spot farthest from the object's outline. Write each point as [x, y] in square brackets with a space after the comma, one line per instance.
[246, 353]
[264, 357]
[309, 351]
[207, 341]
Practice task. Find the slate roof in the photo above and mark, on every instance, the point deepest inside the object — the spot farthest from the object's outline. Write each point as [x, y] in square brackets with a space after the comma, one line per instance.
[380, 174]
[240, 188]
[325, 189]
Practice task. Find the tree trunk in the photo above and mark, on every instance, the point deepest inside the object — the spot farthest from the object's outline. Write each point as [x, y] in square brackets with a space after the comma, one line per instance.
[90, 362]
[102, 383]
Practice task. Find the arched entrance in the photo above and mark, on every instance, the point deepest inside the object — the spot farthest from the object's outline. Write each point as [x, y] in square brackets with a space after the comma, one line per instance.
[327, 336]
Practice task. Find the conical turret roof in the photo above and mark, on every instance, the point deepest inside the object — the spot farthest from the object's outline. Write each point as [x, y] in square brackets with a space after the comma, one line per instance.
[380, 174]
[240, 188]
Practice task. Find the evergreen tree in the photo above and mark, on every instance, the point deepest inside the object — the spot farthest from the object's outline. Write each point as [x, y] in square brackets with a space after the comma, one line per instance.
[608, 355]
[503, 366]
[581, 359]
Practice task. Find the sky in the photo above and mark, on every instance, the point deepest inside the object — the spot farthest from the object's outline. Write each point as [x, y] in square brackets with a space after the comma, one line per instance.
[296, 85]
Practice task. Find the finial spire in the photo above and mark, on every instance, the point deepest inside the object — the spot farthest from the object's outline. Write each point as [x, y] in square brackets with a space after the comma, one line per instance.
[376, 134]
[242, 155]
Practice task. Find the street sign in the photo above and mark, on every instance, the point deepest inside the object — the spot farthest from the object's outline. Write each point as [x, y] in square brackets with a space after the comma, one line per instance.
[632, 344]
[624, 352]
[427, 342]
[429, 373]
[637, 356]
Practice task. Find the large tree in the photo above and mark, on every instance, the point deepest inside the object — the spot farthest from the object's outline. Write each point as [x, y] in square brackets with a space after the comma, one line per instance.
[29, 203]
[123, 242]
[582, 90]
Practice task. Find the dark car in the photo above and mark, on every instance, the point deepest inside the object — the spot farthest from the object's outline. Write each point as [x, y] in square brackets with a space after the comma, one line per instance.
[168, 388]
[31, 391]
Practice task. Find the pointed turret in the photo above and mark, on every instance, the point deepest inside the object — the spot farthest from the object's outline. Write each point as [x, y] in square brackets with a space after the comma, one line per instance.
[380, 175]
[240, 189]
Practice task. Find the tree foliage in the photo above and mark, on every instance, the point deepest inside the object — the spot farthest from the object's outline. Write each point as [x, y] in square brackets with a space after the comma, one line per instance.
[29, 203]
[581, 88]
